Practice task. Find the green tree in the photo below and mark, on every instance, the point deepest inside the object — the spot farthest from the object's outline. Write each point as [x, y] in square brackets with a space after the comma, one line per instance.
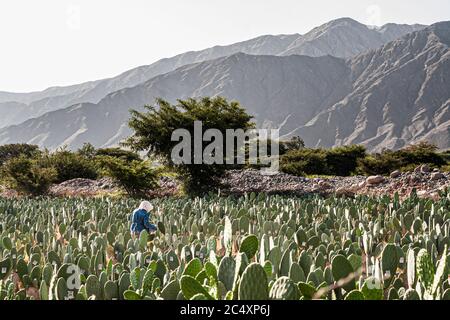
[135, 177]
[28, 176]
[153, 133]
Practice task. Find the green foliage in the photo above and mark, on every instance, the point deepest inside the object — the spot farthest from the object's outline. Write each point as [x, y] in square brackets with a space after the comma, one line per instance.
[341, 161]
[153, 134]
[11, 151]
[29, 176]
[136, 177]
[70, 165]
[407, 158]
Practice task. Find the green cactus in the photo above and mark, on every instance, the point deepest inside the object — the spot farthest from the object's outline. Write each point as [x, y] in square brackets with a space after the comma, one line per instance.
[227, 272]
[171, 290]
[249, 246]
[441, 274]
[254, 284]
[425, 269]
[411, 294]
[342, 272]
[172, 260]
[124, 284]
[354, 295]
[61, 289]
[193, 268]
[5, 268]
[7, 243]
[284, 289]
[372, 289]
[296, 273]
[307, 290]
[389, 261]
[93, 287]
[191, 287]
[111, 290]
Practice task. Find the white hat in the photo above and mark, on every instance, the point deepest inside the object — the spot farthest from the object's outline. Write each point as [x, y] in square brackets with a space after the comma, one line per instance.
[147, 206]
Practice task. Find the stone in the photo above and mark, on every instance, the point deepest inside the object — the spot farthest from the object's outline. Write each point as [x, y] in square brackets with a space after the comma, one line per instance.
[437, 176]
[425, 168]
[344, 192]
[374, 180]
[395, 174]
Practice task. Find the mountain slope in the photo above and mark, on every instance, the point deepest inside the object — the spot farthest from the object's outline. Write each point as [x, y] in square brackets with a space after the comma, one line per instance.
[401, 95]
[340, 38]
[271, 88]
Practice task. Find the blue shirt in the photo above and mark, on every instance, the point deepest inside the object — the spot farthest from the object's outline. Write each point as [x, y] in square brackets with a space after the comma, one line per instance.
[140, 220]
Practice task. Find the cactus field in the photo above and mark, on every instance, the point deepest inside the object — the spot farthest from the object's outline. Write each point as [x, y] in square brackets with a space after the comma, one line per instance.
[256, 247]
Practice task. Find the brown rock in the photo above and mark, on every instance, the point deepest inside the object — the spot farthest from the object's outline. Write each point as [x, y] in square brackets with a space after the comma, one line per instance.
[374, 180]
[425, 168]
[395, 174]
[437, 176]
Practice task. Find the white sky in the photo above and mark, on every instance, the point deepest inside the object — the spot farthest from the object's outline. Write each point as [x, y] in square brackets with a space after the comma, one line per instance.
[59, 42]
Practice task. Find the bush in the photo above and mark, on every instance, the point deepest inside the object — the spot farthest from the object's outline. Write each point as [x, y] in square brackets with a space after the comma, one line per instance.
[382, 163]
[304, 162]
[404, 159]
[342, 161]
[135, 177]
[10, 151]
[70, 165]
[29, 176]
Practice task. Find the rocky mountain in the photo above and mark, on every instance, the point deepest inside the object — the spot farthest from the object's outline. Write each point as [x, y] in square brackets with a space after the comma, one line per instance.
[340, 38]
[400, 95]
[271, 88]
[385, 98]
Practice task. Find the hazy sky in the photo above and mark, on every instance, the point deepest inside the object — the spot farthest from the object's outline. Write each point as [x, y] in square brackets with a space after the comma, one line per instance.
[59, 42]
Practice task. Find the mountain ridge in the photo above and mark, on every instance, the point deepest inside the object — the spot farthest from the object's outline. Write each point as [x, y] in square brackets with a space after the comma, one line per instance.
[60, 97]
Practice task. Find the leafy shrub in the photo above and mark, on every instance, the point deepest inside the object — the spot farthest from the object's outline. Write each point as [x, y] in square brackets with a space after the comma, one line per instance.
[405, 159]
[10, 151]
[341, 161]
[135, 177]
[70, 165]
[29, 176]
[381, 163]
[304, 162]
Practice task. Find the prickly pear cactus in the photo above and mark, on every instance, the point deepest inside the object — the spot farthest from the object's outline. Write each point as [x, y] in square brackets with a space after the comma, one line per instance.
[284, 289]
[372, 289]
[342, 272]
[5, 268]
[425, 269]
[249, 246]
[227, 272]
[191, 287]
[93, 287]
[254, 284]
